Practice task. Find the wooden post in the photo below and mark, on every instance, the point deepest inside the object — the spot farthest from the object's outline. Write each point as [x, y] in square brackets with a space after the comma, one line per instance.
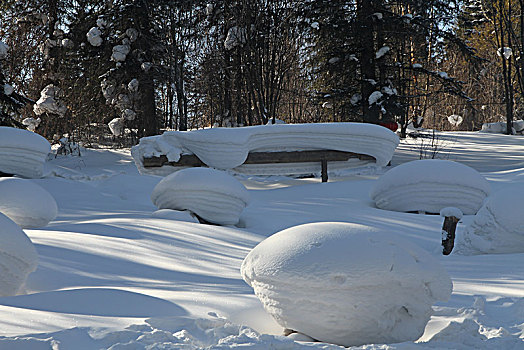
[323, 163]
[448, 234]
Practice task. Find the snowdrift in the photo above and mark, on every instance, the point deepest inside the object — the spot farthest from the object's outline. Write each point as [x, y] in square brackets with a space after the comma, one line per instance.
[213, 195]
[430, 185]
[347, 284]
[22, 152]
[18, 257]
[228, 148]
[498, 227]
[26, 203]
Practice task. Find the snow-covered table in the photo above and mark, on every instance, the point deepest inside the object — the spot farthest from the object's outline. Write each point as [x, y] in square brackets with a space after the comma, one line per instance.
[284, 149]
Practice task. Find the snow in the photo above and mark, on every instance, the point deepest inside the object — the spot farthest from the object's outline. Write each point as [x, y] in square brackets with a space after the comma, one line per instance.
[417, 65]
[213, 195]
[120, 52]
[429, 185]
[498, 227]
[451, 211]
[177, 215]
[116, 126]
[374, 97]
[94, 36]
[31, 123]
[228, 148]
[345, 283]
[18, 257]
[8, 89]
[455, 119]
[26, 203]
[507, 52]
[382, 51]
[22, 152]
[49, 102]
[500, 127]
[110, 274]
[3, 50]
[315, 25]
[378, 15]
[236, 36]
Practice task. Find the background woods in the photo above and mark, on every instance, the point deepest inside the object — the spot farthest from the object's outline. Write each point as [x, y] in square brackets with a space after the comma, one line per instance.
[84, 68]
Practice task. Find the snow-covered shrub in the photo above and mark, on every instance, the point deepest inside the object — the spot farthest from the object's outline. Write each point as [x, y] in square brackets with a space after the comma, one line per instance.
[430, 185]
[213, 195]
[18, 257]
[22, 152]
[498, 227]
[345, 283]
[26, 203]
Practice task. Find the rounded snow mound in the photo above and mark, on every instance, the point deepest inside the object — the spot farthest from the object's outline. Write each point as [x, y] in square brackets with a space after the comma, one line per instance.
[175, 215]
[213, 195]
[430, 185]
[345, 283]
[18, 257]
[26, 203]
[498, 227]
[22, 152]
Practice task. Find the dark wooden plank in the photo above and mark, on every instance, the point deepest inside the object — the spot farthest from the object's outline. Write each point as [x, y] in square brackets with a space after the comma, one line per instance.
[265, 158]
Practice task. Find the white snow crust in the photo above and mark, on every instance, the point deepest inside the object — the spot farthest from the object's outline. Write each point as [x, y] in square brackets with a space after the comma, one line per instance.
[212, 194]
[18, 257]
[430, 185]
[26, 203]
[345, 283]
[228, 148]
[498, 227]
[22, 152]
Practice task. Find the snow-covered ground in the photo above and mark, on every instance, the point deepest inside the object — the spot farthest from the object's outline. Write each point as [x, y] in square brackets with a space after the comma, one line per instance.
[111, 275]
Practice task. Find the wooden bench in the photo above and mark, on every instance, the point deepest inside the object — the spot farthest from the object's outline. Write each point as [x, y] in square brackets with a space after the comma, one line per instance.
[322, 156]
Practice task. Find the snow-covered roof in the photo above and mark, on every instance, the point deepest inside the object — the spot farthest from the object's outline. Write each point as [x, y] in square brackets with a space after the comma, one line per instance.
[228, 148]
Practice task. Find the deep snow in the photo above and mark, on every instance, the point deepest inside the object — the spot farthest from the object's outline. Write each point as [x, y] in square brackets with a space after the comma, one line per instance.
[110, 274]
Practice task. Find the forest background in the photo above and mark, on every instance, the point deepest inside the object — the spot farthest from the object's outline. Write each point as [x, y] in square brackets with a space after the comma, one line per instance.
[110, 72]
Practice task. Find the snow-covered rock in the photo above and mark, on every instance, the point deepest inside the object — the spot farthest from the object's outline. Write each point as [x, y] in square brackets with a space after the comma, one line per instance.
[213, 195]
[49, 102]
[26, 203]
[94, 36]
[18, 257]
[345, 283]
[498, 227]
[176, 215]
[228, 148]
[430, 185]
[22, 152]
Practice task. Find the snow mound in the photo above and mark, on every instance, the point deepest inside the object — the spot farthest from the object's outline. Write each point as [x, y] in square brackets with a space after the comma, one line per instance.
[18, 257]
[211, 194]
[26, 203]
[22, 152]
[228, 148]
[177, 215]
[501, 127]
[430, 185]
[498, 227]
[347, 284]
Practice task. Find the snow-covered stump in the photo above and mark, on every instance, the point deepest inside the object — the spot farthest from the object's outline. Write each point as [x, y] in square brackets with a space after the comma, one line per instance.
[18, 257]
[22, 152]
[451, 218]
[26, 203]
[212, 195]
[498, 227]
[345, 283]
[430, 185]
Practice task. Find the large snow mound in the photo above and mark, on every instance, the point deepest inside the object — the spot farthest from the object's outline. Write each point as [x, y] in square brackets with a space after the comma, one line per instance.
[430, 185]
[26, 203]
[347, 284]
[228, 148]
[22, 152]
[213, 195]
[18, 257]
[498, 227]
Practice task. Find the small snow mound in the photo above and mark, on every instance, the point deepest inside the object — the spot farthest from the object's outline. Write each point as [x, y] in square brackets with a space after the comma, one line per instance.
[177, 215]
[22, 152]
[213, 195]
[498, 227]
[430, 185]
[18, 257]
[362, 285]
[26, 203]
[501, 127]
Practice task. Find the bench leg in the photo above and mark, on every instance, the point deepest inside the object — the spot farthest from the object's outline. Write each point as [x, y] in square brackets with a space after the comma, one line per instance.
[323, 163]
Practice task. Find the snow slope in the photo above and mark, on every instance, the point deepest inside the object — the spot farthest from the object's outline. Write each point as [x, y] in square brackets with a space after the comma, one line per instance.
[112, 275]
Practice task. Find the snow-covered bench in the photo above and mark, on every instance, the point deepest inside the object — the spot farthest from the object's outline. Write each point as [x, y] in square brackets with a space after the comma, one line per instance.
[284, 149]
